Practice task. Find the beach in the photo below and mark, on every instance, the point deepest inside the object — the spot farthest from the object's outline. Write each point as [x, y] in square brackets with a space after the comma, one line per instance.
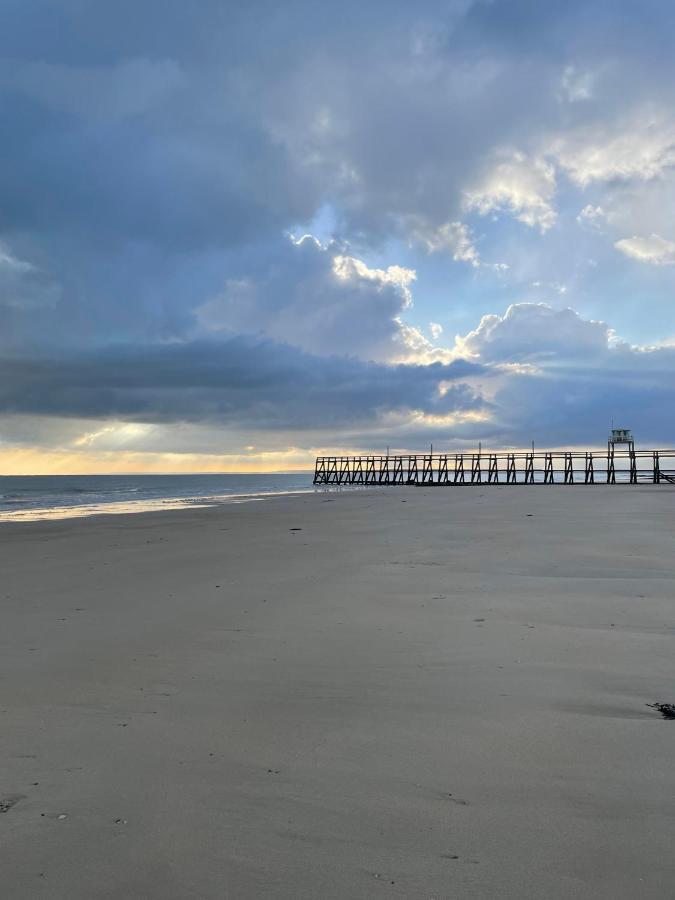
[400, 692]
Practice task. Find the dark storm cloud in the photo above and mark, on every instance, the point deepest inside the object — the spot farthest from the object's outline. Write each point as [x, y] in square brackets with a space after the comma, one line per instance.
[568, 407]
[572, 378]
[240, 382]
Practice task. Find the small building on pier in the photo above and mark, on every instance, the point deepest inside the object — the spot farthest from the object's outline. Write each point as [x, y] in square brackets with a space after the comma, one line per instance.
[621, 436]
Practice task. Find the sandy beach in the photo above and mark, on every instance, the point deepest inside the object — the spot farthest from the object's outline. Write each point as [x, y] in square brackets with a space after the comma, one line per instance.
[419, 693]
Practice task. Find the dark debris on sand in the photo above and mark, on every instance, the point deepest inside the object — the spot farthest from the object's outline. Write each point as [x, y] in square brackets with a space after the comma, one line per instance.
[667, 710]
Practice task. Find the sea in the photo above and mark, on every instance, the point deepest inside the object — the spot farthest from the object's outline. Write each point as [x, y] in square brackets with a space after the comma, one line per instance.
[36, 497]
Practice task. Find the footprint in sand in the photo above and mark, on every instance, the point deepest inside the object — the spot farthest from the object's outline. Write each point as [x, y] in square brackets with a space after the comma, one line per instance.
[10, 800]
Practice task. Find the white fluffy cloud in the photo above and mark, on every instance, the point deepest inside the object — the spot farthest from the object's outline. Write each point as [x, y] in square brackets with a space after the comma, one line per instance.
[518, 185]
[592, 216]
[319, 298]
[652, 249]
[533, 332]
[450, 237]
[636, 146]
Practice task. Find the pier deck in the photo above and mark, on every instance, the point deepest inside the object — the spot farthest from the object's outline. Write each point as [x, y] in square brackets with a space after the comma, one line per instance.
[501, 467]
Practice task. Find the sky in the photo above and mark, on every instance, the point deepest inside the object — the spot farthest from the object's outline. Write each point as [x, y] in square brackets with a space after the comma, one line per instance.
[234, 236]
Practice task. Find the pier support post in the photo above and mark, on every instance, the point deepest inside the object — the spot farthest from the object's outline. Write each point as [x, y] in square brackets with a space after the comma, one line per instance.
[493, 471]
[529, 468]
[476, 477]
[548, 469]
[569, 469]
[427, 470]
[589, 476]
[412, 470]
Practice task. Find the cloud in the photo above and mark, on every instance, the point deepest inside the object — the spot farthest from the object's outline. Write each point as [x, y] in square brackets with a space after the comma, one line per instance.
[576, 85]
[592, 216]
[241, 382]
[533, 332]
[22, 285]
[102, 92]
[148, 176]
[534, 370]
[350, 269]
[517, 185]
[318, 298]
[637, 146]
[450, 237]
[653, 249]
[573, 400]
[558, 377]
[436, 330]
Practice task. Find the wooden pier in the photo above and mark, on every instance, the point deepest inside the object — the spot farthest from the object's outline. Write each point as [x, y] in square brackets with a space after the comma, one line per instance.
[501, 467]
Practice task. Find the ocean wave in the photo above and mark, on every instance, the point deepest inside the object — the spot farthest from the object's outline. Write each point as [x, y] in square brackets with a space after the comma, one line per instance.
[48, 496]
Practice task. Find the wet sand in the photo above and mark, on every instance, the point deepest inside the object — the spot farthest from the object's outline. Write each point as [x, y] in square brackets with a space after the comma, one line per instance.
[437, 698]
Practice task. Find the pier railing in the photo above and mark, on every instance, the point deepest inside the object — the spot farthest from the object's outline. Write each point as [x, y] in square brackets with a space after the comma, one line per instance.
[501, 467]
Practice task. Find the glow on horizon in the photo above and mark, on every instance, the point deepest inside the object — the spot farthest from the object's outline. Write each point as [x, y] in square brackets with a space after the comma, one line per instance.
[37, 461]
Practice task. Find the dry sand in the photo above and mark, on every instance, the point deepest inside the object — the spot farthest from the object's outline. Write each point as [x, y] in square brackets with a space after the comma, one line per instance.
[437, 698]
